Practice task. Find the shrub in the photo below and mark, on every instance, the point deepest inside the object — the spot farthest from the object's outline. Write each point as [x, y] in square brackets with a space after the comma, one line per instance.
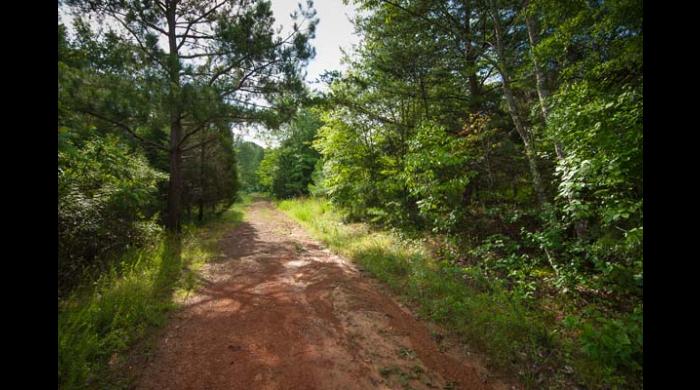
[107, 203]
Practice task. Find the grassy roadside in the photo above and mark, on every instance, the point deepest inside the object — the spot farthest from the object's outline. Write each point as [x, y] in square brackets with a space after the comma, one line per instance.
[100, 322]
[516, 335]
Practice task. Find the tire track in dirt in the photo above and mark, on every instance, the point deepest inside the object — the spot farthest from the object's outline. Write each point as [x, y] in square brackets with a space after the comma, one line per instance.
[279, 311]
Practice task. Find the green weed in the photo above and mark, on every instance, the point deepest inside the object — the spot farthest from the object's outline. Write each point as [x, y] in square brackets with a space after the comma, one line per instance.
[516, 335]
[99, 322]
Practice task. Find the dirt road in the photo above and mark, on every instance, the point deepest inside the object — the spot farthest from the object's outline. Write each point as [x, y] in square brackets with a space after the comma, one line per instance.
[281, 312]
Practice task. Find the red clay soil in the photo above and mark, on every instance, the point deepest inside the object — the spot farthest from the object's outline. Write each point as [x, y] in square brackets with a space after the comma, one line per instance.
[281, 312]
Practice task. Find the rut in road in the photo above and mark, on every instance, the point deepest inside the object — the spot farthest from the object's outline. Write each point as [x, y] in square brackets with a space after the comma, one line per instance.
[279, 311]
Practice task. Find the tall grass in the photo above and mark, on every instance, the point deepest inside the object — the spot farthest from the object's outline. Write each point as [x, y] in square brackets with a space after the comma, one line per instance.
[99, 322]
[516, 336]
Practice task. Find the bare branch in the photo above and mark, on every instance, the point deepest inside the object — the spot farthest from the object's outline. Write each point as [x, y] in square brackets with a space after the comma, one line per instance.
[243, 79]
[195, 37]
[161, 5]
[151, 25]
[143, 47]
[192, 132]
[125, 127]
[200, 55]
[207, 141]
[194, 21]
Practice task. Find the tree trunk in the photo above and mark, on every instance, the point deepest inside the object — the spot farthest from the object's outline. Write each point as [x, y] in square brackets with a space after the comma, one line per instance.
[542, 91]
[470, 57]
[175, 183]
[424, 95]
[201, 183]
[580, 227]
[520, 127]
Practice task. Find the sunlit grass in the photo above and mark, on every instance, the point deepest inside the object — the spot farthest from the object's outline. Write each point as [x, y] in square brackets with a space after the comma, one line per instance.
[100, 322]
[514, 334]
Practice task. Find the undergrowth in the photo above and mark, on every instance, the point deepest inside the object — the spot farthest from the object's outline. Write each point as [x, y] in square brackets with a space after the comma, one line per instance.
[517, 334]
[100, 321]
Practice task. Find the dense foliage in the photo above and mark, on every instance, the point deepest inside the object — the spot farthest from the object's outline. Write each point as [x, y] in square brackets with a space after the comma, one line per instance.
[249, 155]
[211, 176]
[112, 174]
[107, 202]
[287, 171]
[148, 93]
[510, 131]
[183, 69]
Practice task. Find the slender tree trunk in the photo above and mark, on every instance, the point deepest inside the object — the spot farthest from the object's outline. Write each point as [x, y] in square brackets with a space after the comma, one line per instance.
[539, 76]
[580, 227]
[424, 95]
[520, 127]
[526, 138]
[175, 183]
[201, 182]
[470, 57]
[542, 91]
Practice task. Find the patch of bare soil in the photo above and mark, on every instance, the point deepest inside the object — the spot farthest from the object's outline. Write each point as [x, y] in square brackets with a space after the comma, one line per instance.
[281, 312]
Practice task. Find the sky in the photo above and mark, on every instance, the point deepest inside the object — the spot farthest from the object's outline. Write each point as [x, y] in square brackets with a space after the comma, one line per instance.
[333, 32]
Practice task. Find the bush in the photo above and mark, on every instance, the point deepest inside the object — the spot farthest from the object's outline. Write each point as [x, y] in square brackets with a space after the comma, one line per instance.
[107, 203]
[610, 346]
[99, 324]
[492, 304]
